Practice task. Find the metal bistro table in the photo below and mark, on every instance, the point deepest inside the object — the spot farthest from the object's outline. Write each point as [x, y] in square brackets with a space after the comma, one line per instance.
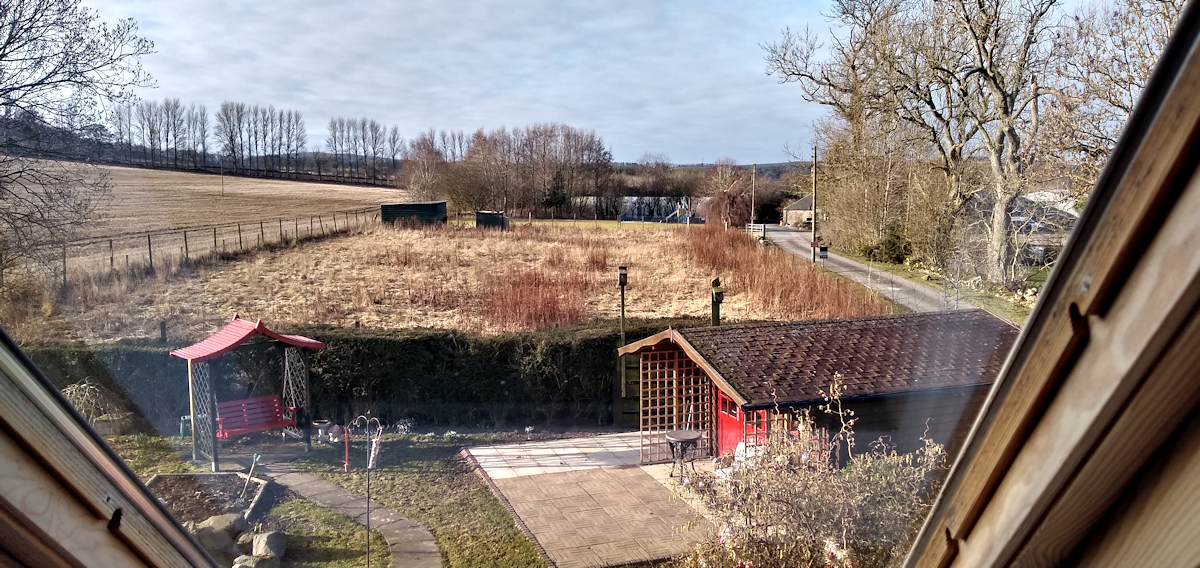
[681, 442]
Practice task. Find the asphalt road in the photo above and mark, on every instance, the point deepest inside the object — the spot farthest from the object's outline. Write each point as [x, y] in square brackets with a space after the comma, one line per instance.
[914, 296]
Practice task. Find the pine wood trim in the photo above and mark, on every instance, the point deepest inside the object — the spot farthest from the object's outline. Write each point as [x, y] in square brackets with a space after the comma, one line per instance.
[41, 423]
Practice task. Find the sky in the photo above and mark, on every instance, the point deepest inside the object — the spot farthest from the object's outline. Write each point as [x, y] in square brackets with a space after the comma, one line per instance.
[676, 77]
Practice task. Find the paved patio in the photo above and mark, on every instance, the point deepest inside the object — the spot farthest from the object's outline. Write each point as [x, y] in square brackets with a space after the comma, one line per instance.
[586, 502]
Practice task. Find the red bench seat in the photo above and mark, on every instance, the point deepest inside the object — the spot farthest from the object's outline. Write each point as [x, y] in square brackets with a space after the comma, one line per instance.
[257, 414]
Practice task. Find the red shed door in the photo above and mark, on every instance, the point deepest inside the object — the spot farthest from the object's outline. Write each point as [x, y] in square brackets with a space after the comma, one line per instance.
[729, 424]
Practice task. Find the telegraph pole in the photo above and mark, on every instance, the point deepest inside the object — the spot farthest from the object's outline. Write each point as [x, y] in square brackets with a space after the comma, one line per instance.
[753, 171]
[813, 244]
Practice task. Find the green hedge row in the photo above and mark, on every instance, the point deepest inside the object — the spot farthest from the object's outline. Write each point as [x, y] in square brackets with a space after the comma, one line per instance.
[432, 376]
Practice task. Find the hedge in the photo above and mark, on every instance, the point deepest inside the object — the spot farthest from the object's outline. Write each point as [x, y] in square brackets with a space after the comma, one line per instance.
[432, 376]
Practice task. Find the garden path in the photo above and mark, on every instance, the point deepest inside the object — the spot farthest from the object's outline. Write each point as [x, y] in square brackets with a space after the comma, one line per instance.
[411, 544]
[912, 295]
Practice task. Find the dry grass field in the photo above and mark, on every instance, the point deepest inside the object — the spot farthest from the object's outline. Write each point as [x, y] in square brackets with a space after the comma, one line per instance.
[532, 277]
[157, 200]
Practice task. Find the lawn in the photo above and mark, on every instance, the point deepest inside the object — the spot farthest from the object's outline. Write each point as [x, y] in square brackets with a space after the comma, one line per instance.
[316, 536]
[425, 478]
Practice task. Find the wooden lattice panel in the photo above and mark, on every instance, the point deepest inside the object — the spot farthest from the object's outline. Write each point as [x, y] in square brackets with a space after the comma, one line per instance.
[676, 395]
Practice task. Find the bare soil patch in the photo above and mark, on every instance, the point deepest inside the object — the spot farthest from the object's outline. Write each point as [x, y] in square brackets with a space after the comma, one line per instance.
[197, 497]
[145, 200]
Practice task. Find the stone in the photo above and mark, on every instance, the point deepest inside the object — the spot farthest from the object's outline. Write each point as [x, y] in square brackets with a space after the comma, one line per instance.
[219, 544]
[247, 561]
[245, 543]
[270, 544]
[231, 524]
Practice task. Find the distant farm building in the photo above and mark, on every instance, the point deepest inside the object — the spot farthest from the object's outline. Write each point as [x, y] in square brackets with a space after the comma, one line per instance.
[418, 213]
[903, 376]
[799, 213]
[491, 220]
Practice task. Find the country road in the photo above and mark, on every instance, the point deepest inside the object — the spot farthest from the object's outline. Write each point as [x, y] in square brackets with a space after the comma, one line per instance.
[914, 296]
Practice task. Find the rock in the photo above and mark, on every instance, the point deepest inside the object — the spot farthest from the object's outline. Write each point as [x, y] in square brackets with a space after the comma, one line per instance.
[231, 524]
[219, 544]
[246, 561]
[245, 542]
[269, 544]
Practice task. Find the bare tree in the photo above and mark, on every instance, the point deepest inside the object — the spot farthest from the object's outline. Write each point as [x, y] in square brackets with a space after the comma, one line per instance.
[423, 166]
[62, 67]
[1105, 55]
[202, 133]
[726, 195]
[965, 73]
[395, 146]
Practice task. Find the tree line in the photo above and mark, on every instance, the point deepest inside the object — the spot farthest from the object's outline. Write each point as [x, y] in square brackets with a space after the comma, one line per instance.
[945, 115]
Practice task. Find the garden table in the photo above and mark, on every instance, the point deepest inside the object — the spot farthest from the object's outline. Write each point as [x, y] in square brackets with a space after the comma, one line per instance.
[681, 442]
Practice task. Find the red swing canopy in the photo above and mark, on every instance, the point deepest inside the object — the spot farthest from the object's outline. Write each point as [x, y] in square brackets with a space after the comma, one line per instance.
[235, 334]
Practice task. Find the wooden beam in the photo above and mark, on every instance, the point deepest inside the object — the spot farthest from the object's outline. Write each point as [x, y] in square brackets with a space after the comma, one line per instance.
[1119, 295]
[39, 420]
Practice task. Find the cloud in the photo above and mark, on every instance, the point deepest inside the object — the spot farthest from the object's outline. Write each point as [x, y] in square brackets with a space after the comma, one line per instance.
[684, 78]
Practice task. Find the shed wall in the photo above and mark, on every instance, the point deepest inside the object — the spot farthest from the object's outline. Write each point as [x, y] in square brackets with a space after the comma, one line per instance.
[427, 213]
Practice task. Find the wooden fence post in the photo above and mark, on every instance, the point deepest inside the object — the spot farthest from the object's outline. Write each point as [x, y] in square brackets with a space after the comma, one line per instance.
[321, 224]
[335, 222]
[310, 225]
[214, 241]
[239, 237]
[110, 255]
[186, 253]
[262, 232]
[281, 229]
[150, 250]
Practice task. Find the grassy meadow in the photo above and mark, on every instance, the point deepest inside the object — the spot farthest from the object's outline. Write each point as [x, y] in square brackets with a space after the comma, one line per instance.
[532, 277]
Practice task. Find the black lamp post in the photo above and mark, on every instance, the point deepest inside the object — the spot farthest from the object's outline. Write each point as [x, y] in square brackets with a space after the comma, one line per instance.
[718, 296]
[622, 280]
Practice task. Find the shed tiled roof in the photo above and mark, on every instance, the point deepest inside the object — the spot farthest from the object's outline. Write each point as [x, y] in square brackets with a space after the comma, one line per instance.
[794, 361]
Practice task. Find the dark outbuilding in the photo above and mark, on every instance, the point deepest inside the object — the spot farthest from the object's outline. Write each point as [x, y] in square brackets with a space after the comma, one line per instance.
[416, 213]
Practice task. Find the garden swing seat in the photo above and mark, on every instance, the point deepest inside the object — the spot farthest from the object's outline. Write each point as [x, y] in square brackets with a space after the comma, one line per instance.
[258, 414]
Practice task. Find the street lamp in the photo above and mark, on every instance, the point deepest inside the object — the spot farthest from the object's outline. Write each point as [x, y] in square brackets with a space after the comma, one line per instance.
[718, 296]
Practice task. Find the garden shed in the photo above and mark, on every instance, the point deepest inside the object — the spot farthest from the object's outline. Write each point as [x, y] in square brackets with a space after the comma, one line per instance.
[491, 220]
[902, 375]
[415, 213]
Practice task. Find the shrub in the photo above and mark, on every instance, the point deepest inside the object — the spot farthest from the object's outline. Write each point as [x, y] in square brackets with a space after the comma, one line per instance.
[775, 281]
[893, 247]
[790, 504]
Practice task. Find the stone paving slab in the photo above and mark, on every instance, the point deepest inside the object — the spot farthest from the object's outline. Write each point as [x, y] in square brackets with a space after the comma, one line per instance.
[602, 516]
[559, 456]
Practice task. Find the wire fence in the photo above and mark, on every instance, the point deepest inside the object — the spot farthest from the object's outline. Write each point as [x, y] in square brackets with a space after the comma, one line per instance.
[156, 250]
